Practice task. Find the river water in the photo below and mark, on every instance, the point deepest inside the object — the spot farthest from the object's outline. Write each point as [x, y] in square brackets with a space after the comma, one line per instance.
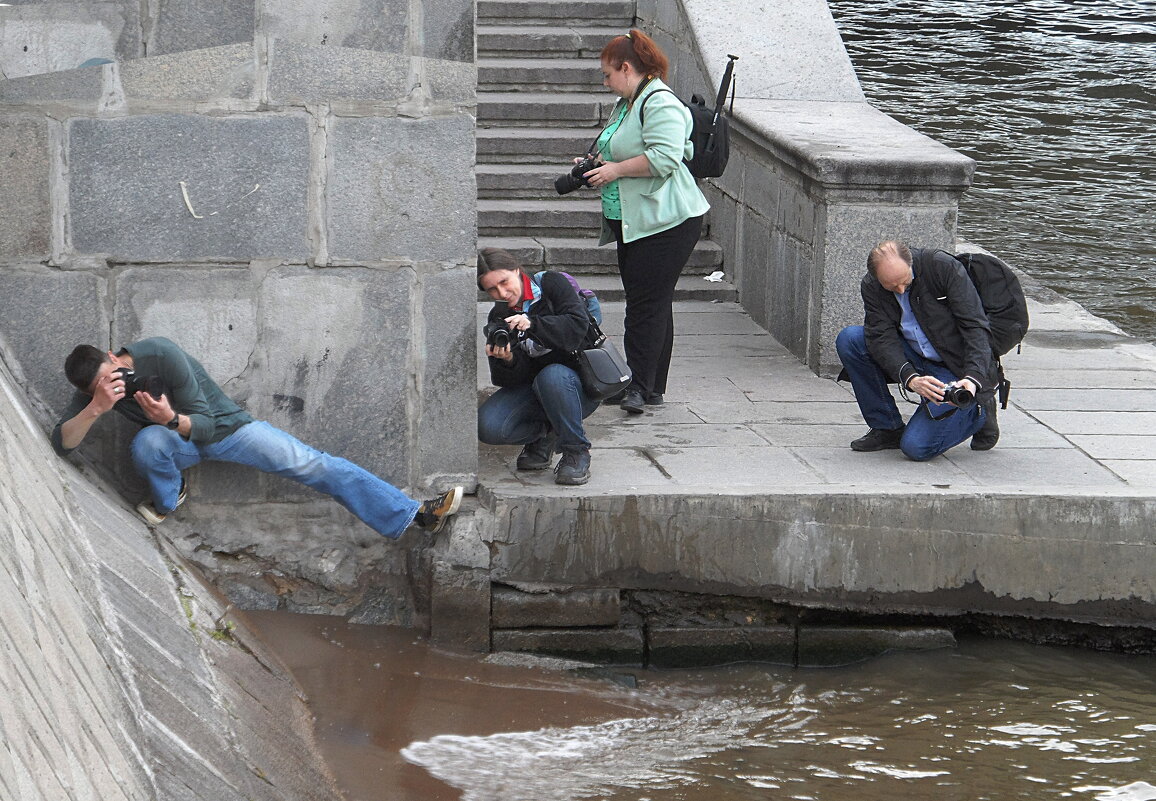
[1056, 101]
[988, 720]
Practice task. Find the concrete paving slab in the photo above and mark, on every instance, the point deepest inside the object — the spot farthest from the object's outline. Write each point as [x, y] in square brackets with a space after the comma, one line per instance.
[1025, 378]
[1026, 468]
[1100, 422]
[885, 469]
[763, 466]
[1118, 447]
[844, 413]
[675, 435]
[810, 435]
[1083, 399]
[1139, 474]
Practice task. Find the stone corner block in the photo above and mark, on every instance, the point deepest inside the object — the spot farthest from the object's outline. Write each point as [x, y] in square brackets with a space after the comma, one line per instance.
[460, 607]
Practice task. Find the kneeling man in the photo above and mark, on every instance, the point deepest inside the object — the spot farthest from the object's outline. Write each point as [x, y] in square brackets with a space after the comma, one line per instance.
[925, 328]
[185, 418]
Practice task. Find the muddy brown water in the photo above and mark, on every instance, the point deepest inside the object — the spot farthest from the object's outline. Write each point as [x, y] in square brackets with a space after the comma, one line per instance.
[400, 720]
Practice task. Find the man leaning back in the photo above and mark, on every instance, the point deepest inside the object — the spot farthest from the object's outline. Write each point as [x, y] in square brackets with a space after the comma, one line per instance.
[185, 417]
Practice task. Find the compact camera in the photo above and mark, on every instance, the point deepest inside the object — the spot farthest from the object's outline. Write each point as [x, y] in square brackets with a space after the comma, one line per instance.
[957, 395]
[565, 184]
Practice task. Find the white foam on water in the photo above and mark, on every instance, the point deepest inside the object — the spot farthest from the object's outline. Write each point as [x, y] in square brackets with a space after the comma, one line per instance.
[586, 761]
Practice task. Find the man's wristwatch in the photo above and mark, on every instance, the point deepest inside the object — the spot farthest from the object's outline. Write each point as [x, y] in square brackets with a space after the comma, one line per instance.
[175, 423]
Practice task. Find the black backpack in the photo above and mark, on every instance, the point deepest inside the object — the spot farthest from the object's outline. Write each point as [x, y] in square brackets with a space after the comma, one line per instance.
[1006, 307]
[1002, 297]
[710, 131]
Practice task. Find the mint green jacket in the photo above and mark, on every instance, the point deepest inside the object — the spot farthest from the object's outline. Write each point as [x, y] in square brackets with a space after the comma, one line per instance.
[669, 195]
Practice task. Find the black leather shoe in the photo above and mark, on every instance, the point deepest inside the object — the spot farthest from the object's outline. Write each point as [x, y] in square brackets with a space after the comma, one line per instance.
[653, 398]
[614, 399]
[573, 468]
[878, 439]
[632, 402]
[986, 438]
[538, 454]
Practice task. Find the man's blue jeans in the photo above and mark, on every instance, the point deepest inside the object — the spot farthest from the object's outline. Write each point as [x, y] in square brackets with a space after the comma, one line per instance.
[553, 401]
[933, 428]
[160, 455]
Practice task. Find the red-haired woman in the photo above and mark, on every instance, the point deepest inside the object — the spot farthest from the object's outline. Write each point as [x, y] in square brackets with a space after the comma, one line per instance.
[651, 206]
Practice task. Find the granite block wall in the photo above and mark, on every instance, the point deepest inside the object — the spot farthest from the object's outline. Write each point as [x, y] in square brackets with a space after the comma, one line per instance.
[285, 189]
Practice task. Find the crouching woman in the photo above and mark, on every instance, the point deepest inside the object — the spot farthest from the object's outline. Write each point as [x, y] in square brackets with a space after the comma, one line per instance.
[539, 402]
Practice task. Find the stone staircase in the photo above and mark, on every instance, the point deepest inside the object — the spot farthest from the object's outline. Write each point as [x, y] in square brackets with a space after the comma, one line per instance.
[540, 103]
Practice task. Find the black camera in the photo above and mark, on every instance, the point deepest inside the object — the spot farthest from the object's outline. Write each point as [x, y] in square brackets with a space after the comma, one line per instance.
[134, 383]
[565, 184]
[497, 334]
[958, 395]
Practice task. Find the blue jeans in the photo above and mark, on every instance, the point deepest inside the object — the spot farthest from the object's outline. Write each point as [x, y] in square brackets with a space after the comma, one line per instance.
[554, 401]
[933, 428]
[160, 455]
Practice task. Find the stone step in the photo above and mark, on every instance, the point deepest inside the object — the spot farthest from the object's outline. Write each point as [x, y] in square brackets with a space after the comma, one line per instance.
[548, 75]
[608, 288]
[619, 13]
[555, 217]
[544, 109]
[581, 255]
[533, 145]
[520, 180]
[515, 41]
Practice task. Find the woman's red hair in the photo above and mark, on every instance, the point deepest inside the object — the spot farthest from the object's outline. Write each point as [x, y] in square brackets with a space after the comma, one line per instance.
[640, 51]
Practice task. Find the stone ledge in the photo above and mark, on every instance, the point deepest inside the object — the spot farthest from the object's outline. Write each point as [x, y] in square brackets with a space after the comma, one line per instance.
[514, 609]
[609, 646]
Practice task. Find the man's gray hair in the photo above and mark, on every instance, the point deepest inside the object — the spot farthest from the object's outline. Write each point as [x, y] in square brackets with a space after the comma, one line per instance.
[890, 247]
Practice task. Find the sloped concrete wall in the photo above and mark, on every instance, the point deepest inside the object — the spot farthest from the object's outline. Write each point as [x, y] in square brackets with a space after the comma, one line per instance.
[285, 189]
[816, 176]
[122, 675]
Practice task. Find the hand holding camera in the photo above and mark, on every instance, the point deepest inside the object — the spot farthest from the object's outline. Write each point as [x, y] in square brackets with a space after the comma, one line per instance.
[565, 184]
[958, 393]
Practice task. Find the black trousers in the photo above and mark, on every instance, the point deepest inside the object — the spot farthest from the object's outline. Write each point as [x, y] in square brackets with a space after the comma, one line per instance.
[650, 268]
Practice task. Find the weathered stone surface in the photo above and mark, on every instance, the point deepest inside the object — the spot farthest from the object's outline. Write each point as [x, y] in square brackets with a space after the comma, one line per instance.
[83, 85]
[448, 29]
[197, 24]
[301, 73]
[381, 25]
[210, 312]
[336, 369]
[48, 37]
[459, 607]
[450, 81]
[245, 179]
[514, 609]
[227, 72]
[447, 324]
[826, 646]
[402, 189]
[699, 647]
[613, 646]
[44, 314]
[25, 164]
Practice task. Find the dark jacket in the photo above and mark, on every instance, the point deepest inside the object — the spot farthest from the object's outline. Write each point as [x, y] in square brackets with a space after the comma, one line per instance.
[558, 320]
[212, 414]
[948, 309]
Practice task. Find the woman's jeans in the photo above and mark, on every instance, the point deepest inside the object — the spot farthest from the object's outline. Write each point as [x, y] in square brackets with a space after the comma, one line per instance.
[933, 428]
[554, 401]
[161, 454]
[650, 268]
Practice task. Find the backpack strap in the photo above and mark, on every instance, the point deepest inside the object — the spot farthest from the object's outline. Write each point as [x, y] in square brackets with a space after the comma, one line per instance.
[642, 105]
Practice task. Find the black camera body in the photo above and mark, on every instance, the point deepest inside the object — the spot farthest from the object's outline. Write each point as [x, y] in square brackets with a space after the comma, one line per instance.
[497, 334]
[958, 395]
[567, 183]
[134, 383]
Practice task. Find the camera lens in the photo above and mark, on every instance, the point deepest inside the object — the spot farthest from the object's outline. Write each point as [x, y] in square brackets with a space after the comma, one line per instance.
[501, 338]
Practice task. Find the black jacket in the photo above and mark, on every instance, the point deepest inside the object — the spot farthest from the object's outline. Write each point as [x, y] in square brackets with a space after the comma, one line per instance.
[948, 309]
[558, 320]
